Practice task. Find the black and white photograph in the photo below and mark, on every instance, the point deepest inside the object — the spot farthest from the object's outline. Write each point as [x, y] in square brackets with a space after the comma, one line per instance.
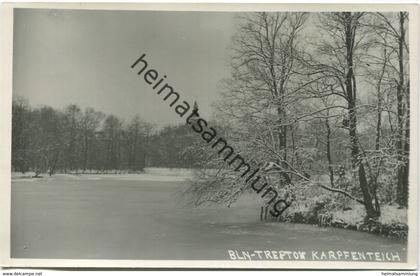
[277, 138]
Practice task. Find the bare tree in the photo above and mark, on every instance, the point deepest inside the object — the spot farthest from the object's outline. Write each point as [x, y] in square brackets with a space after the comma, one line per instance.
[397, 29]
[341, 48]
[258, 101]
[21, 117]
[89, 125]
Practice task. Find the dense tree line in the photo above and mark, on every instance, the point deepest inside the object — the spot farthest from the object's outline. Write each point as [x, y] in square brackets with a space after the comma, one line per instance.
[47, 140]
[325, 98]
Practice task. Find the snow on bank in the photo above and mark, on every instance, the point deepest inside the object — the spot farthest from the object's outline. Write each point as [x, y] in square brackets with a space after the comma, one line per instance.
[149, 174]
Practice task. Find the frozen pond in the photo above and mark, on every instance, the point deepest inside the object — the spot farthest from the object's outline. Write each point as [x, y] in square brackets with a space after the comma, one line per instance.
[139, 217]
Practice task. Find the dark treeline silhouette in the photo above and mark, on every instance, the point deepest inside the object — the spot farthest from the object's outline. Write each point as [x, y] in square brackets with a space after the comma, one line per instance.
[47, 140]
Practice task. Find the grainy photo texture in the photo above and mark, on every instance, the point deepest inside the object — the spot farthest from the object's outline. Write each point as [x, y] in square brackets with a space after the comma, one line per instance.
[215, 136]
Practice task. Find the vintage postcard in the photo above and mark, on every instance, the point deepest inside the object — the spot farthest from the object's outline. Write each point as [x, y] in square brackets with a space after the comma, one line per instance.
[209, 136]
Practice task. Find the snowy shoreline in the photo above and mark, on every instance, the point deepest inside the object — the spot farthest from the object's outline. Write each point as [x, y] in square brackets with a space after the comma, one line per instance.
[149, 174]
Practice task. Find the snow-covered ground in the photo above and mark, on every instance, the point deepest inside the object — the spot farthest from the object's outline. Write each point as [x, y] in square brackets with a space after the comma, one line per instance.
[149, 174]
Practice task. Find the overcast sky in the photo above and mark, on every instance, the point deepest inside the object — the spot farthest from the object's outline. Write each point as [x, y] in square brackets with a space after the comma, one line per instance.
[84, 57]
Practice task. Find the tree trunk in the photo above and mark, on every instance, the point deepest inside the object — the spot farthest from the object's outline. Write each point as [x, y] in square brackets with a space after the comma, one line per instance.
[350, 85]
[371, 211]
[402, 154]
[330, 164]
[85, 153]
[282, 145]
[54, 165]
